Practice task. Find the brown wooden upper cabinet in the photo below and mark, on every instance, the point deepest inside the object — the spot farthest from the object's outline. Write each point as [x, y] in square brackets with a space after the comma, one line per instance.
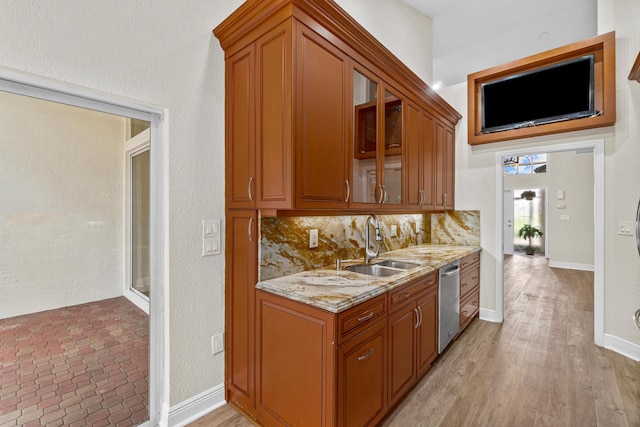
[315, 114]
[377, 143]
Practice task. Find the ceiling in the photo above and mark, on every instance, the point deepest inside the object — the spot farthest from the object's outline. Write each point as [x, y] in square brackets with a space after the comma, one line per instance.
[470, 36]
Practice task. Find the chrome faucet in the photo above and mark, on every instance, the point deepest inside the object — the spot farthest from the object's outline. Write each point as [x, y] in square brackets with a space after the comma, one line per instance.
[368, 253]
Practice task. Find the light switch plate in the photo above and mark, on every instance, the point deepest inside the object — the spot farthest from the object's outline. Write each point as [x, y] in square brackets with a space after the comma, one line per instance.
[217, 343]
[394, 230]
[625, 228]
[210, 237]
[564, 217]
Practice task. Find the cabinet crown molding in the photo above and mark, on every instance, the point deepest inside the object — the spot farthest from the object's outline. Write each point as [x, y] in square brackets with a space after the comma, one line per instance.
[248, 22]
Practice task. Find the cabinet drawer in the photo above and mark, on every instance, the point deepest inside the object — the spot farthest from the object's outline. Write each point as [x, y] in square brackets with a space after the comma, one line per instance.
[405, 293]
[354, 320]
[468, 281]
[468, 261]
[468, 308]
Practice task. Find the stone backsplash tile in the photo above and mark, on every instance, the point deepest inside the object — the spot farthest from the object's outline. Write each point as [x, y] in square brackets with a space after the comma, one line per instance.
[456, 228]
[284, 242]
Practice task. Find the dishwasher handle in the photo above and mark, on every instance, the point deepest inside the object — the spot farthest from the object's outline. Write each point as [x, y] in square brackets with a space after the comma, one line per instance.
[452, 271]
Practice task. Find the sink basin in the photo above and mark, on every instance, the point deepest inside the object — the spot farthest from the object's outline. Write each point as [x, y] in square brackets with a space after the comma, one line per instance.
[397, 264]
[384, 268]
[373, 270]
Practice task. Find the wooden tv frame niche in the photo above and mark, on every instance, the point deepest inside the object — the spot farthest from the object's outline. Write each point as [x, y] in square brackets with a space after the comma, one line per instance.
[603, 49]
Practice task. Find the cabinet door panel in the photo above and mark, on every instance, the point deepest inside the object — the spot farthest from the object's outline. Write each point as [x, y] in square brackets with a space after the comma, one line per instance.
[361, 378]
[414, 172]
[450, 163]
[241, 276]
[392, 148]
[402, 373]
[240, 129]
[273, 122]
[428, 162]
[427, 332]
[439, 165]
[321, 123]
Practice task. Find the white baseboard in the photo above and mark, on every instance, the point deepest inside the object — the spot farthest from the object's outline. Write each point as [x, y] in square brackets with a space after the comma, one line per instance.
[488, 315]
[624, 347]
[571, 265]
[191, 409]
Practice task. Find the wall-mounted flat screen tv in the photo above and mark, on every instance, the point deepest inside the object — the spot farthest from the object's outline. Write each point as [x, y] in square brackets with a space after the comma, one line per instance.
[562, 91]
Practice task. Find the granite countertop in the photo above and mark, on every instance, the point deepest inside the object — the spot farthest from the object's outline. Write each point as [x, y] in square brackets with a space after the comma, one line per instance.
[336, 291]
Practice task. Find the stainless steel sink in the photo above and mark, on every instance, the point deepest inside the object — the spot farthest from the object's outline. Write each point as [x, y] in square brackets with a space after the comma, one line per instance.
[384, 268]
[397, 264]
[373, 270]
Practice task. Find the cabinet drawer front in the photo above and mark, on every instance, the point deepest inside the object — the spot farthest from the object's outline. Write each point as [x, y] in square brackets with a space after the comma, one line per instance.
[469, 281]
[357, 318]
[469, 261]
[398, 297]
[469, 307]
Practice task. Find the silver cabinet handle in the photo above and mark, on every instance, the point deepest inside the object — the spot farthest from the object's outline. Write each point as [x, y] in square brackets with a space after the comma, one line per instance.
[420, 312]
[346, 181]
[421, 192]
[636, 318]
[383, 194]
[249, 189]
[415, 310]
[367, 317]
[250, 229]
[446, 199]
[367, 355]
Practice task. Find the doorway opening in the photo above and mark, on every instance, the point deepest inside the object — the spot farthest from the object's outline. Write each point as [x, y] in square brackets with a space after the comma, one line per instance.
[68, 96]
[595, 147]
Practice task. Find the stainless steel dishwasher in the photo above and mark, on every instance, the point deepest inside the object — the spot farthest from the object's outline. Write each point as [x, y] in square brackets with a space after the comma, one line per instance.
[448, 304]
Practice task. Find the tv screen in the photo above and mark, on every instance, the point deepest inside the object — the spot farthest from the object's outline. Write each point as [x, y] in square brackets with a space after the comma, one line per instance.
[558, 92]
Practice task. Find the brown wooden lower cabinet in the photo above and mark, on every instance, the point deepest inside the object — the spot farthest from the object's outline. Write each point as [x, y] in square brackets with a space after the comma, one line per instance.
[469, 289]
[317, 368]
[412, 335]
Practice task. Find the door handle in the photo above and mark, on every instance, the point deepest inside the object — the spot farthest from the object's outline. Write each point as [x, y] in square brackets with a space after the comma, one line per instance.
[346, 181]
[249, 189]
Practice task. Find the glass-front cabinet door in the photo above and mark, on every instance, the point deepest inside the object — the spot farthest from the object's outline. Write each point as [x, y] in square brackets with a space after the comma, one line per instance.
[377, 153]
[392, 171]
[365, 152]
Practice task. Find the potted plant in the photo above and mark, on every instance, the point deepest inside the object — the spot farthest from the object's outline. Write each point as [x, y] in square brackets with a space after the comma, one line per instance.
[529, 232]
[528, 195]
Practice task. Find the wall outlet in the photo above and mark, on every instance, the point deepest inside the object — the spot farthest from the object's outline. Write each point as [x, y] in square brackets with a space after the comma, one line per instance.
[394, 230]
[217, 343]
[313, 238]
[625, 227]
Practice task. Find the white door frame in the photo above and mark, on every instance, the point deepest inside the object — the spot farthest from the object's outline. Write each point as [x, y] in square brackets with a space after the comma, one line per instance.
[27, 84]
[598, 219]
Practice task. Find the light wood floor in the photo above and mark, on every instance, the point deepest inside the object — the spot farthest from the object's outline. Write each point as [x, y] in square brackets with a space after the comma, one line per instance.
[538, 368]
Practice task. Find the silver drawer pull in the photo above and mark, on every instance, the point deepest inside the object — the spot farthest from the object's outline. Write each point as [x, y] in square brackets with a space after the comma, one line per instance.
[405, 296]
[367, 317]
[367, 355]
[464, 313]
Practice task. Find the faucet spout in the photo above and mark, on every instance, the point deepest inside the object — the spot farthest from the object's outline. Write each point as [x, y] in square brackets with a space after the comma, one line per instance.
[368, 253]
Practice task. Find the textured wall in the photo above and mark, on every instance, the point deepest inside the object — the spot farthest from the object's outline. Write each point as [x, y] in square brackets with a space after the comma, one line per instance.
[60, 205]
[475, 177]
[407, 33]
[164, 53]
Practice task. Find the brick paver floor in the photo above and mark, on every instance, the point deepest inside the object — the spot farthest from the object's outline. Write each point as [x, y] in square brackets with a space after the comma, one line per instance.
[82, 365]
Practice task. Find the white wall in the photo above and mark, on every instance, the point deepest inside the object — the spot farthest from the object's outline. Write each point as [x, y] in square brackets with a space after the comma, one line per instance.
[475, 173]
[570, 242]
[60, 205]
[164, 53]
[406, 32]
